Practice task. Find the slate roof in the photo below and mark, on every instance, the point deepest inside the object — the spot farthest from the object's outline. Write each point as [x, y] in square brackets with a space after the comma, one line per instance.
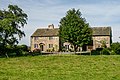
[101, 31]
[97, 31]
[46, 32]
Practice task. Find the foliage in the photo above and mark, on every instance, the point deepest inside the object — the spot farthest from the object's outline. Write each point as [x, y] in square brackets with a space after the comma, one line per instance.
[50, 49]
[36, 50]
[105, 51]
[103, 42]
[16, 50]
[95, 52]
[11, 22]
[102, 51]
[74, 29]
[61, 67]
[112, 52]
[20, 50]
[116, 47]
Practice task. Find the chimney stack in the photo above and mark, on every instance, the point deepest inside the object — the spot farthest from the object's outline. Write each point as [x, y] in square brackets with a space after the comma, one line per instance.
[51, 26]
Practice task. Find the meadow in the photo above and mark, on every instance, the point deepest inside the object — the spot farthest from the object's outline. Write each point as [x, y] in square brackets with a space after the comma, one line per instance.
[61, 67]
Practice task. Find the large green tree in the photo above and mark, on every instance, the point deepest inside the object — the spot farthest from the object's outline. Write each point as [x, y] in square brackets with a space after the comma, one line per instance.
[74, 29]
[11, 22]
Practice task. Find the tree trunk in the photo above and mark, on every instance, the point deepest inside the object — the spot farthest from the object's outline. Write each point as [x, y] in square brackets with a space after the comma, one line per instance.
[75, 48]
[84, 48]
[6, 55]
[4, 47]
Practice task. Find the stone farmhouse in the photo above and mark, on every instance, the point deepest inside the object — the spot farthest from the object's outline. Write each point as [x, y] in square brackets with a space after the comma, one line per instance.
[48, 38]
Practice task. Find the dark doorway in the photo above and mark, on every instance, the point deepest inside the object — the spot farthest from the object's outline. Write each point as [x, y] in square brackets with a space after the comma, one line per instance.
[42, 46]
[84, 48]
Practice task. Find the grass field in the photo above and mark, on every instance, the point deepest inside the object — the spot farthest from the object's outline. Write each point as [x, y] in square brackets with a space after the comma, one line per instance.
[61, 67]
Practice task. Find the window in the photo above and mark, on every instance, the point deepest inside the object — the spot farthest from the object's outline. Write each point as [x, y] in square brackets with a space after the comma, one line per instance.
[35, 38]
[35, 45]
[50, 38]
[50, 45]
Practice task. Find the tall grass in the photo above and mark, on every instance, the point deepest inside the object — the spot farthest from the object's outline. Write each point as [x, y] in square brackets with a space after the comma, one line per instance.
[60, 67]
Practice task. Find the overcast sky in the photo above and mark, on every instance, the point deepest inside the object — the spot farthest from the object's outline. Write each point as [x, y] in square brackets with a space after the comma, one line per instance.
[41, 13]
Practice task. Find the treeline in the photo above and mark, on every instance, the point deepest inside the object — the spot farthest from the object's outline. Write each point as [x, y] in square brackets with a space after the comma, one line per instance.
[12, 51]
[12, 20]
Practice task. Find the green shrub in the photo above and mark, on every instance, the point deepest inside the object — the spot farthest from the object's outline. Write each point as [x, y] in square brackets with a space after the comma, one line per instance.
[95, 52]
[99, 49]
[105, 51]
[50, 50]
[36, 50]
[116, 47]
[63, 49]
[13, 50]
[112, 52]
[24, 48]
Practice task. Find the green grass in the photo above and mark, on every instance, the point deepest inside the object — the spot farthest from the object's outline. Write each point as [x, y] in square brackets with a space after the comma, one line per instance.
[60, 67]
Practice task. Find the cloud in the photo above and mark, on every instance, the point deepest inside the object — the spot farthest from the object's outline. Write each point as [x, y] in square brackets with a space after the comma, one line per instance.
[44, 12]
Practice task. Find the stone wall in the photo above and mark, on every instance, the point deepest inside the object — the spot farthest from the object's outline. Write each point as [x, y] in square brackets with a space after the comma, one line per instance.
[97, 41]
[45, 41]
[55, 41]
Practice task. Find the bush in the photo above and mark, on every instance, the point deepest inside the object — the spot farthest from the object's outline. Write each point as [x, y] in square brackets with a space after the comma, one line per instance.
[95, 52]
[99, 49]
[20, 50]
[63, 49]
[112, 52]
[50, 49]
[13, 50]
[36, 50]
[24, 48]
[116, 47]
[105, 51]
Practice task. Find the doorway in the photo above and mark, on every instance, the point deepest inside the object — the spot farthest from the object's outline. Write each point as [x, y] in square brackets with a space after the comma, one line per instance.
[42, 46]
[84, 48]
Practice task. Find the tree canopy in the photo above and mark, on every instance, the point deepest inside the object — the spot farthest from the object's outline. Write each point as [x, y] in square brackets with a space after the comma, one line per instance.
[116, 47]
[11, 22]
[74, 29]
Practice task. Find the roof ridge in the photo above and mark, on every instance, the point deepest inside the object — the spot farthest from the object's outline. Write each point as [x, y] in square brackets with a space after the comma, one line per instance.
[102, 27]
[47, 28]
